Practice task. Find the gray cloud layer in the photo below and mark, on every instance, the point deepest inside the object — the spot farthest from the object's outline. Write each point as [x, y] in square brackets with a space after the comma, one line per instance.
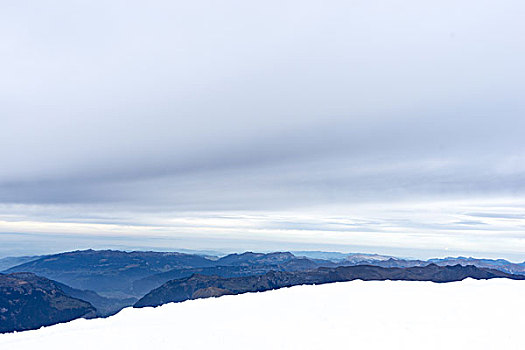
[196, 106]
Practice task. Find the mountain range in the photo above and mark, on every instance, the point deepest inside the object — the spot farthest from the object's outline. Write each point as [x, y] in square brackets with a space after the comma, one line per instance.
[106, 281]
[108, 272]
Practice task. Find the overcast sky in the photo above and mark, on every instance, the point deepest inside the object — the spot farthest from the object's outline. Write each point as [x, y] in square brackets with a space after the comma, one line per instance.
[388, 126]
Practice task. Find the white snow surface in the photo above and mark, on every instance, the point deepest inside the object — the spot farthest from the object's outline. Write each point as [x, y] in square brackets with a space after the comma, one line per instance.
[370, 315]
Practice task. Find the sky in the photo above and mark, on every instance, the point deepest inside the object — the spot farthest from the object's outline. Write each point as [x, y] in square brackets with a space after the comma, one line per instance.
[387, 126]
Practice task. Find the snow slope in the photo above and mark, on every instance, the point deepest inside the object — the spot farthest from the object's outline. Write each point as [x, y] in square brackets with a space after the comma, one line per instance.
[386, 314]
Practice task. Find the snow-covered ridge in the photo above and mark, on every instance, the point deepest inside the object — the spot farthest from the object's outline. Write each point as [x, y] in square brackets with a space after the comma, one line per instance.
[470, 314]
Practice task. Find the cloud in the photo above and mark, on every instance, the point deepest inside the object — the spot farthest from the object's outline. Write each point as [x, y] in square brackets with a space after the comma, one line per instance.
[498, 215]
[143, 110]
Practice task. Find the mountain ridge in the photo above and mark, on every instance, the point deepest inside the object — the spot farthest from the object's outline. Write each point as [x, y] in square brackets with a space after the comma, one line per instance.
[187, 288]
[29, 302]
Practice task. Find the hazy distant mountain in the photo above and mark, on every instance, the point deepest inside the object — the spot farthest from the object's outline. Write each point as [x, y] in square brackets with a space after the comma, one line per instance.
[367, 258]
[315, 254]
[6, 263]
[250, 258]
[342, 257]
[107, 271]
[121, 275]
[352, 259]
[498, 264]
[104, 306]
[390, 261]
[198, 286]
[249, 264]
[28, 301]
